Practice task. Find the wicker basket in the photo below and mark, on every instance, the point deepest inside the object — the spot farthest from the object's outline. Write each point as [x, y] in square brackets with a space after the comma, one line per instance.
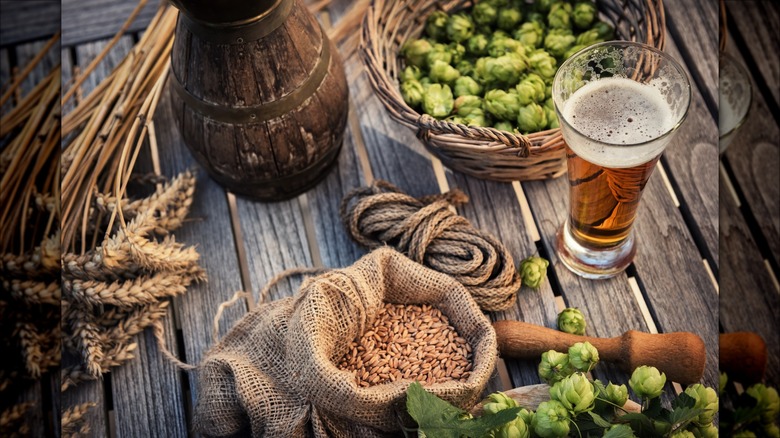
[481, 152]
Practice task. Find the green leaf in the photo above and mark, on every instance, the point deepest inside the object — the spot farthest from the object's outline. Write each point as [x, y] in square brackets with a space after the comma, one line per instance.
[681, 416]
[654, 408]
[599, 420]
[642, 426]
[620, 431]
[683, 400]
[437, 418]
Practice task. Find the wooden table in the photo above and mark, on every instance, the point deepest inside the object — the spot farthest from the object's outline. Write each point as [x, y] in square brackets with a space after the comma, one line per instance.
[671, 286]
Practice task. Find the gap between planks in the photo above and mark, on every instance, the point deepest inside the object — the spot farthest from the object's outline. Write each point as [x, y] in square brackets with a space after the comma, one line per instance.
[243, 263]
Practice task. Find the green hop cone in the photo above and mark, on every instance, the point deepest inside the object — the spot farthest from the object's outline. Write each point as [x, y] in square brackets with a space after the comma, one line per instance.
[768, 401]
[504, 70]
[458, 52]
[683, 434]
[503, 125]
[537, 17]
[588, 38]
[438, 52]
[501, 104]
[498, 401]
[460, 27]
[619, 430]
[708, 431]
[484, 14]
[744, 434]
[438, 101]
[647, 382]
[771, 430]
[574, 49]
[443, 73]
[530, 34]
[616, 394]
[531, 118]
[516, 428]
[559, 16]
[508, 19]
[503, 45]
[706, 399]
[572, 321]
[476, 117]
[533, 270]
[552, 118]
[554, 366]
[436, 25]
[724, 379]
[605, 30]
[465, 105]
[412, 91]
[477, 44]
[584, 14]
[465, 68]
[416, 52]
[576, 393]
[583, 356]
[543, 64]
[558, 42]
[531, 89]
[551, 420]
[527, 415]
[544, 5]
[411, 73]
[467, 86]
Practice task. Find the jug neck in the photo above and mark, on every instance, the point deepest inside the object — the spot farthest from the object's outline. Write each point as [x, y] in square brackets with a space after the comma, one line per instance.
[233, 21]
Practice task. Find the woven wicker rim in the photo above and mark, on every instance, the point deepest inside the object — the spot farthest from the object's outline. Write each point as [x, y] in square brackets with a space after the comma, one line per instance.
[480, 151]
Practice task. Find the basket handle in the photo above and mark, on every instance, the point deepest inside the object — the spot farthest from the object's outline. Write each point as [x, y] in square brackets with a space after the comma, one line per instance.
[428, 125]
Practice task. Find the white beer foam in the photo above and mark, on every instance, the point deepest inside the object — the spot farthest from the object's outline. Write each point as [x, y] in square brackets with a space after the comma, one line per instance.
[623, 116]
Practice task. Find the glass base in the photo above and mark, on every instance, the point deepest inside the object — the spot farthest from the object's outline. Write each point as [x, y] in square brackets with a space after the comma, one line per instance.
[593, 262]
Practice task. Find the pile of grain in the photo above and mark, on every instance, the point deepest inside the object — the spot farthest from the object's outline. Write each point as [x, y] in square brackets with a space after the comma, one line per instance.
[409, 342]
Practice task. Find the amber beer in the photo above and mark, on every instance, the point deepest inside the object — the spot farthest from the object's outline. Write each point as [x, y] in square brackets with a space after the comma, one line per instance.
[615, 129]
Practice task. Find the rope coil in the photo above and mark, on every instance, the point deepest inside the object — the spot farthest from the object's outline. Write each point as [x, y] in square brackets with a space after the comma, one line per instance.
[428, 231]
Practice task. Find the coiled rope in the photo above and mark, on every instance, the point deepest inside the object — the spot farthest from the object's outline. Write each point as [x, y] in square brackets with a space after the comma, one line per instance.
[427, 231]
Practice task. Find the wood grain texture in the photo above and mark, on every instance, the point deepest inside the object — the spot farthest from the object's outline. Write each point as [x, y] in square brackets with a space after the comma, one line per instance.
[207, 226]
[85, 53]
[5, 77]
[757, 23]
[493, 207]
[89, 392]
[609, 306]
[678, 289]
[26, 52]
[66, 57]
[691, 161]
[24, 21]
[90, 20]
[754, 157]
[748, 298]
[694, 26]
[148, 392]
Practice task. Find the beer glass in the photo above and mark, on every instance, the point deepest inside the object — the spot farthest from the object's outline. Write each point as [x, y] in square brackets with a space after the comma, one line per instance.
[619, 104]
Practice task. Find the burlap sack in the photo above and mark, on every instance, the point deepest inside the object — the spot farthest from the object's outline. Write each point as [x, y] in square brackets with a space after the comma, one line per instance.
[275, 373]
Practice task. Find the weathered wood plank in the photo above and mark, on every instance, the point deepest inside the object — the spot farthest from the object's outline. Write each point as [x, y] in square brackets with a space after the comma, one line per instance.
[89, 392]
[29, 20]
[754, 157]
[67, 76]
[208, 226]
[694, 27]
[26, 52]
[89, 20]
[692, 163]
[678, 288]
[748, 298]
[757, 23]
[148, 392]
[85, 53]
[494, 208]
[5, 77]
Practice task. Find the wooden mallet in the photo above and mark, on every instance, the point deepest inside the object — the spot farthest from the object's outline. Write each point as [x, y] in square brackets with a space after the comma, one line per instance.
[681, 355]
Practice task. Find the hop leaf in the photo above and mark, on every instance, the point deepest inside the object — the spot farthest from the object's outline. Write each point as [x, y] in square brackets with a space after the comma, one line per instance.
[647, 382]
[583, 356]
[533, 270]
[551, 420]
[572, 321]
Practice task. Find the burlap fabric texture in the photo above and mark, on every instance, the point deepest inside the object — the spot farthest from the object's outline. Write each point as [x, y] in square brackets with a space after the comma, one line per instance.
[274, 374]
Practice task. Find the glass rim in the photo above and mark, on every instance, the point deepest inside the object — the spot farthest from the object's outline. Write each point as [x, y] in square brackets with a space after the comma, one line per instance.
[643, 46]
[741, 68]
